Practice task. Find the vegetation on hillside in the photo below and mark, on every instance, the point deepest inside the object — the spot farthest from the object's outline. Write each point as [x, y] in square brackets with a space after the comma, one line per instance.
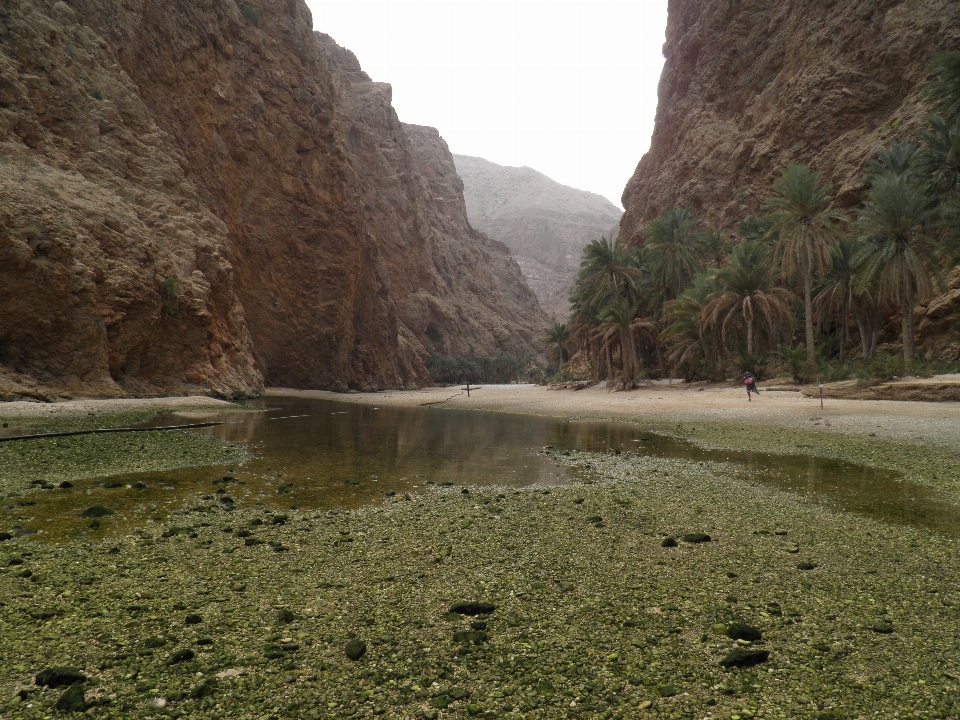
[497, 369]
[806, 288]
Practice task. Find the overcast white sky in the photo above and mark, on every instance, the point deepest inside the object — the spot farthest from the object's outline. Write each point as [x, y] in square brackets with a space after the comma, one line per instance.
[567, 88]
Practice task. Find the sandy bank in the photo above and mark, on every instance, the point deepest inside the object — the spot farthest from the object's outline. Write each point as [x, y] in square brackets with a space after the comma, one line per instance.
[23, 410]
[920, 422]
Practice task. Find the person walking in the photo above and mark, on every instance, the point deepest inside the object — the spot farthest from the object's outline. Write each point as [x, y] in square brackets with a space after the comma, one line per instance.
[750, 382]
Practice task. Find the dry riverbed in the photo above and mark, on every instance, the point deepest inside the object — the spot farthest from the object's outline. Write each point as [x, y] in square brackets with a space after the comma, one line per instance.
[589, 600]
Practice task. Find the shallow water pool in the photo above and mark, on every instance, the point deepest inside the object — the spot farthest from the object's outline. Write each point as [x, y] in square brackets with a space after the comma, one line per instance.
[322, 454]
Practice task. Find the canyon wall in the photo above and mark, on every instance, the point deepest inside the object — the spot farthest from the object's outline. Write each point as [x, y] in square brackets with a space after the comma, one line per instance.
[545, 224]
[752, 85]
[203, 196]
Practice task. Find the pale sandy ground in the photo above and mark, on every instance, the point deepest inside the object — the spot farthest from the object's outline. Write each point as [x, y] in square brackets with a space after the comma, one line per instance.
[937, 423]
[921, 422]
[21, 410]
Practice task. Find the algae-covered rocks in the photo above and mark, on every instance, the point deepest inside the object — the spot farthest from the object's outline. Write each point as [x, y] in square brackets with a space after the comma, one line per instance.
[96, 511]
[742, 631]
[883, 628]
[669, 542]
[696, 538]
[741, 658]
[72, 700]
[181, 656]
[472, 608]
[355, 649]
[204, 689]
[59, 676]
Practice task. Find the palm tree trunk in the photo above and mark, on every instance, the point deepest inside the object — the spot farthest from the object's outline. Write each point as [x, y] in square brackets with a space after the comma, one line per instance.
[845, 319]
[595, 353]
[808, 314]
[906, 321]
[626, 355]
[864, 340]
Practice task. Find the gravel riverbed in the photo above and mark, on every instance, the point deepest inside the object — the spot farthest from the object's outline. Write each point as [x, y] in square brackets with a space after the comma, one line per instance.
[28, 464]
[595, 600]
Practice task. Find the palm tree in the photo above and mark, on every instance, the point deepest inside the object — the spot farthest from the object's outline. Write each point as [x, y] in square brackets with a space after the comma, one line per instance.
[757, 229]
[608, 268]
[671, 245]
[806, 228]
[836, 296]
[944, 93]
[622, 328]
[897, 251]
[898, 158]
[689, 341]
[749, 297]
[557, 341]
[939, 162]
[609, 272]
[712, 248]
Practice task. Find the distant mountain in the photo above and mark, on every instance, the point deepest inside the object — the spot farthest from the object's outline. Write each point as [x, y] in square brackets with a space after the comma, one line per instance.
[545, 224]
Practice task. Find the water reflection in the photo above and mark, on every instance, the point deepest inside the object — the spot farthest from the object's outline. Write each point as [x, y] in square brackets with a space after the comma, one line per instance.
[323, 454]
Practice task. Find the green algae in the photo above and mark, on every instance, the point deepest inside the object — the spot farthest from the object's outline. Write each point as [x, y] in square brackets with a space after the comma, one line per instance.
[587, 620]
[26, 464]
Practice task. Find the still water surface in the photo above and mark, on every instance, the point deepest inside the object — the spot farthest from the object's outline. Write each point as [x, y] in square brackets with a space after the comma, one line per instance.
[322, 454]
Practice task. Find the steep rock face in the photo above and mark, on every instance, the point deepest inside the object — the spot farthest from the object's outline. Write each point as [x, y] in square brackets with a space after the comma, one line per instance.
[752, 85]
[254, 102]
[189, 206]
[456, 291]
[114, 276]
[545, 224]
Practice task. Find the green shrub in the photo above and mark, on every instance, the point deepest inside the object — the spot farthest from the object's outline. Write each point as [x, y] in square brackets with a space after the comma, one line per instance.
[745, 362]
[96, 94]
[499, 368]
[793, 359]
[837, 370]
[171, 292]
[880, 368]
[251, 13]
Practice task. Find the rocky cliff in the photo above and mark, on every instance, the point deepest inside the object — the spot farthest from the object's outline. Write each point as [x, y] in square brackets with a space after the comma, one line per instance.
[752, 85]
[203, 195]
[545, 224]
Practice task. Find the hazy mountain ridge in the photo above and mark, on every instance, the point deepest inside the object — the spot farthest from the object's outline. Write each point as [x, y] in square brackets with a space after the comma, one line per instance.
[544, 223]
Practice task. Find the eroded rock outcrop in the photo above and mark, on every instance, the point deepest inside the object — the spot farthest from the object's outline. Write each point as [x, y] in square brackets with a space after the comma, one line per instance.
[752, 85]
[456, 291]
[115, 277]
[545, 224]
[202, 195]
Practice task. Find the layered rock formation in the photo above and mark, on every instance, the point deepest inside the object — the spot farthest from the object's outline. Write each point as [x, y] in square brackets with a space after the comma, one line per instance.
[545, 224]
[199, 196]
[752, 85]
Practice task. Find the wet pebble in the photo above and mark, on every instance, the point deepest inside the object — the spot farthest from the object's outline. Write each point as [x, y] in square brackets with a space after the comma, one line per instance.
[355, 649]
